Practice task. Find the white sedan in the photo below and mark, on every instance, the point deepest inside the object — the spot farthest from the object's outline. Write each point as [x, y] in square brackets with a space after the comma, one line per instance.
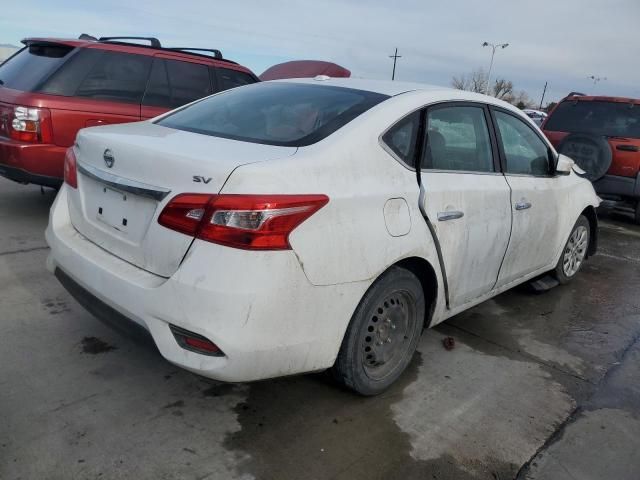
[301, 225]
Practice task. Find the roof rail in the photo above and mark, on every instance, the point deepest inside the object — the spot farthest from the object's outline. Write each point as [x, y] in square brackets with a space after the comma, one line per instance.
[155, 43]
[216, 53]
[86, 36]
[577, 94]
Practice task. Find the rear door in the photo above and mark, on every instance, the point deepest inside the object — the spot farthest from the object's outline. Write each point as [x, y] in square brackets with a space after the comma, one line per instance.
[535, 197]
[466, 198]
[174, 83]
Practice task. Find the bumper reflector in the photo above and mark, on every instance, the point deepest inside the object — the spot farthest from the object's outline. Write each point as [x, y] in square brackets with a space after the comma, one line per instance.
[195, 343]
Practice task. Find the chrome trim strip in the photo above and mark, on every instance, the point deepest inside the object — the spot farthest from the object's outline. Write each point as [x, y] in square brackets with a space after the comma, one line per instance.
[124, 184]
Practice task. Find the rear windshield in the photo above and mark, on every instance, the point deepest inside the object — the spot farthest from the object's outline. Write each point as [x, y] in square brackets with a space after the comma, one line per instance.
[286, 114]
[596, 117]
[30, 66]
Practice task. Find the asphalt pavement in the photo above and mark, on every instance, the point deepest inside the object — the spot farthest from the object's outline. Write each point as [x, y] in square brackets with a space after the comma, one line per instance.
[537, 386]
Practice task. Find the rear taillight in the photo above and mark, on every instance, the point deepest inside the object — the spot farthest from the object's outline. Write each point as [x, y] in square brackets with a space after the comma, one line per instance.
[250, 222]
[70, 168]
[31, 125]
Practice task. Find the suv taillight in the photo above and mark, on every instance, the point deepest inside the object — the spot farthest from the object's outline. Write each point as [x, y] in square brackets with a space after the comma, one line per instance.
[70, 168]
[32, 125]
[250, 222]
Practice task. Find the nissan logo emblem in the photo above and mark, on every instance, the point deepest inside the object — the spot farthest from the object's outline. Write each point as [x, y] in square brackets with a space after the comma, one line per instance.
[108, 158]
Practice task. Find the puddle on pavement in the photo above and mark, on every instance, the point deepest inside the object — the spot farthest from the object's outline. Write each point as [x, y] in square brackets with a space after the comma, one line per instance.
[307, 427]
[94, 345]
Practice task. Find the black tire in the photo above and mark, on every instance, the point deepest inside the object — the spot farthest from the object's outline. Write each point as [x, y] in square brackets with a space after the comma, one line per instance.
[637, 213]
[562, 272]
[383, 333]
[592, 153]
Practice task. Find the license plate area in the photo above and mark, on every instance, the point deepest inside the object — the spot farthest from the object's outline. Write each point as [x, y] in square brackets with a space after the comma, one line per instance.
[119, 215]
[113, 209]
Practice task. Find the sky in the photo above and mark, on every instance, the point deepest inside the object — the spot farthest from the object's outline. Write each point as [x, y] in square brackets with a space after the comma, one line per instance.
[561, 42]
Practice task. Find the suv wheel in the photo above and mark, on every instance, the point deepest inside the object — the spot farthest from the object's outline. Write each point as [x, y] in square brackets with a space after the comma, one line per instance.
[575, 251]
[383, 334]
[637, 213]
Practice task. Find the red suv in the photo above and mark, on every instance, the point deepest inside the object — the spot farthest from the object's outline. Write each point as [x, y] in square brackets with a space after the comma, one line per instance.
[602, 135]
[52, 88]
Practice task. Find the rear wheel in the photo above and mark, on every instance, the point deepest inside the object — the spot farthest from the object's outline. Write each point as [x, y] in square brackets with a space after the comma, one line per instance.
[575, 251]
[637, 213]
[383, 334]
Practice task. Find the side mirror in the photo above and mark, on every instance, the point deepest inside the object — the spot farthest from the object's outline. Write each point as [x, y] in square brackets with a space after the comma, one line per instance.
[564, 165]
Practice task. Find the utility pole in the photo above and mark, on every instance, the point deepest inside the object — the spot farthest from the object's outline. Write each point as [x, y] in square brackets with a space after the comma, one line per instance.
[543, 92]
[395, 57]
[493, 52]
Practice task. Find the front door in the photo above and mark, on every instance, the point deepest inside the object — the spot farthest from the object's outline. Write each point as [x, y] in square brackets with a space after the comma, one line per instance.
[467, 199]
[534, 198]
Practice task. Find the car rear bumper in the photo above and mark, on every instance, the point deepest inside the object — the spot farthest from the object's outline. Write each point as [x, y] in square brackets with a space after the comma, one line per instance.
[32, 163]
[628, 187]
[257, 307]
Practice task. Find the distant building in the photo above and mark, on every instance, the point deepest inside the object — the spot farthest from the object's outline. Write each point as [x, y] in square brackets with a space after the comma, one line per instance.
[6, 51]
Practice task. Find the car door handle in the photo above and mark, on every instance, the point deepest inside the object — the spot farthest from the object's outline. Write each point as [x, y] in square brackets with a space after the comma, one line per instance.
[628, 148]
[523, 205]
[449, 215]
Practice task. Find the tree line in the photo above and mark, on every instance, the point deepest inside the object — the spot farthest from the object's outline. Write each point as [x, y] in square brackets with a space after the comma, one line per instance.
[477, 81]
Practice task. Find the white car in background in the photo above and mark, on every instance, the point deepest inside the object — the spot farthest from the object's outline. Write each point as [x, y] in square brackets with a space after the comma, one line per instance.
[301, 225]
[538, 116]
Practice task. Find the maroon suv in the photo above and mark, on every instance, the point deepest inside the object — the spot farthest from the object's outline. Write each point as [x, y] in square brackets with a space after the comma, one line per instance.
[53, 87]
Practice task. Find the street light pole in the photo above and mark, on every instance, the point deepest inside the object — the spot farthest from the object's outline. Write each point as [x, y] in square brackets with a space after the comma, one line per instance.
[493, 52]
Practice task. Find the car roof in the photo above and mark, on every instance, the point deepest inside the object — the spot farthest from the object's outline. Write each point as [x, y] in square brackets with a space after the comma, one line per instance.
[384, 87]
[135, 48]
[393, 88]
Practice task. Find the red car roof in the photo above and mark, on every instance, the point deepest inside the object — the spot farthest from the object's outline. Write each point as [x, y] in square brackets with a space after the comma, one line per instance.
[304, 69]
[134, 48]
[600, 98]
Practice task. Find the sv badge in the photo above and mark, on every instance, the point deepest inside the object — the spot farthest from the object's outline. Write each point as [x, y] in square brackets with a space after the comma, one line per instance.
[199, 179]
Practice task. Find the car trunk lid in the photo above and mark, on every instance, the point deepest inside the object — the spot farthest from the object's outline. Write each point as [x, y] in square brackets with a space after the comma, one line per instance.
[127, 174]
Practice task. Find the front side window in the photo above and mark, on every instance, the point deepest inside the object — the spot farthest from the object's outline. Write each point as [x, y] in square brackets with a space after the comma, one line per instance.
[458, 139]
[174, 83]
[525, 152]
[115, 76]
[401, 138]
[286, 114]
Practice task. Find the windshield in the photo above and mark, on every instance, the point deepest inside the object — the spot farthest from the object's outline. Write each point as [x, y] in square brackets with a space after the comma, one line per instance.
[596, 117]
[28, 68]
[285, 114]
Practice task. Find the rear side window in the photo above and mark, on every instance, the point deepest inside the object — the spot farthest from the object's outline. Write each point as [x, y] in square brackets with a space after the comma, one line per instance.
[174, 83]
[401, 138]
[286, 114]
[27, 69]
[119, 77]
[228, 78]
[596, 117]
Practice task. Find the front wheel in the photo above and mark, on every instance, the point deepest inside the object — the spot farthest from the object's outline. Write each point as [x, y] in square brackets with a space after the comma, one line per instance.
[575, 251]
[383, 334]
[637, 213]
